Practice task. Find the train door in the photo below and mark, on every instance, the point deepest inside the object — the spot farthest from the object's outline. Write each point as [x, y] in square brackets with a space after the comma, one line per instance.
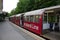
[45, 23]
[51, 20]
[22, 20]
[48, 21]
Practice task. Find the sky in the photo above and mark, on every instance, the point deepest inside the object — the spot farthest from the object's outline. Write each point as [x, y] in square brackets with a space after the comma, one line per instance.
[8, 5]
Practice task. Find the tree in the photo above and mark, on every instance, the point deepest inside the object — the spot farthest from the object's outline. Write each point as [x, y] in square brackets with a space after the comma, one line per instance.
[29, 5]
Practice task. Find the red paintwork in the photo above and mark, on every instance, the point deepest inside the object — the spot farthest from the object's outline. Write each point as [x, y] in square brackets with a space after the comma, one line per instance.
[31, 26]
[18, 21]
[14, 18]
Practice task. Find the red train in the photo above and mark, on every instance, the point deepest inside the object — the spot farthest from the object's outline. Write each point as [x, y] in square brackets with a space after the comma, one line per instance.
[36, 21]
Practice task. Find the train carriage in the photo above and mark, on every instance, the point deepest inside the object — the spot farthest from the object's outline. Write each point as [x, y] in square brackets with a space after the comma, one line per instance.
[12, 18]
[19, 18]
[42, 21]
[33, 21]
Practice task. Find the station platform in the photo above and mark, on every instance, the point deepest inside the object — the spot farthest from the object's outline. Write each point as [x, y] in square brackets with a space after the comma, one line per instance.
[9, 31]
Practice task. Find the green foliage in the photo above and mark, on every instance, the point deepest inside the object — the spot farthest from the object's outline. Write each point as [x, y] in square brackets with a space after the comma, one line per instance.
[29, 5]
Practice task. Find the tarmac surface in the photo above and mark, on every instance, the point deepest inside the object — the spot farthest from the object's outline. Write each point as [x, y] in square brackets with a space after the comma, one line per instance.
[8, 32]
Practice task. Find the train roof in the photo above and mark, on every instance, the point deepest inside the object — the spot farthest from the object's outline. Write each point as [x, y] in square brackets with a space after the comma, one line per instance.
[19, 14]
[53, 7]
[40, 11]
[36, 12]
[12, 16]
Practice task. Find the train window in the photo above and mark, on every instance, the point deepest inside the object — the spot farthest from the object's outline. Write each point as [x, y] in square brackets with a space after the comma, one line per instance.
[34, 19]
[25, 19]
[37, 18]
[28, 18]
[45, 18]
[31, 18]
[16, 18]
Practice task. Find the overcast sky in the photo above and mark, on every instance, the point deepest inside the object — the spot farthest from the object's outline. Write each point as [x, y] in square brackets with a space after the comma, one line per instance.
[8, 5]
